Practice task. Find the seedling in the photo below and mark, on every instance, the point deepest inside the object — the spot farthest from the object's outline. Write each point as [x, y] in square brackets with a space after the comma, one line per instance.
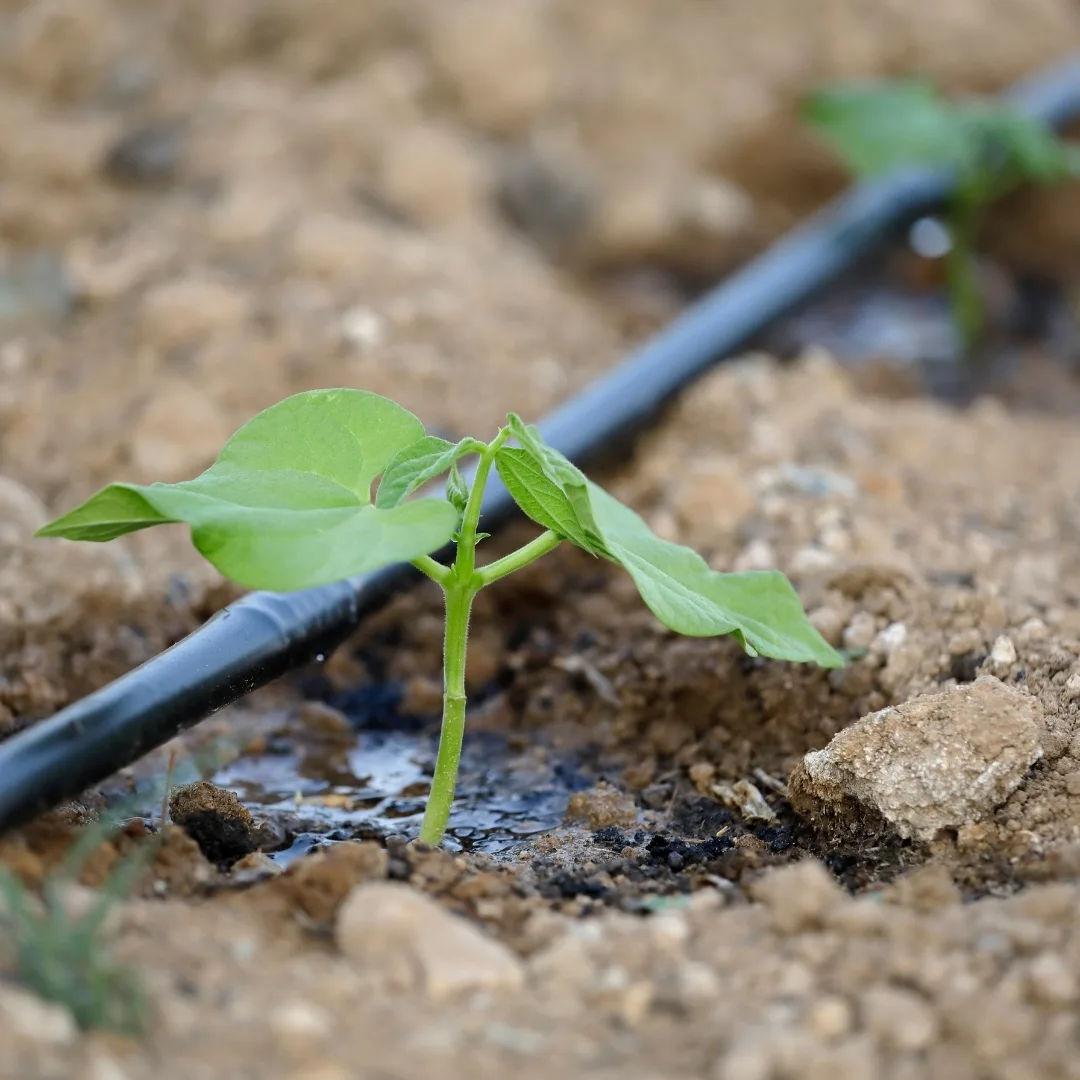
[989, 147]
[63, 956]
[288, 505]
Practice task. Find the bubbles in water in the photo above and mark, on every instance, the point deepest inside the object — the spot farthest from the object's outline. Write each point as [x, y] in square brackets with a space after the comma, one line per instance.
[929, 238]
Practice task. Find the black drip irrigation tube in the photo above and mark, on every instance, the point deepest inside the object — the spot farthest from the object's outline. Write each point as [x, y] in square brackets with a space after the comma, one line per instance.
[265, 635]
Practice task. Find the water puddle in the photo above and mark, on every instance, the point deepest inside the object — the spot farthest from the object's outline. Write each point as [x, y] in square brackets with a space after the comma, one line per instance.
[379, 788]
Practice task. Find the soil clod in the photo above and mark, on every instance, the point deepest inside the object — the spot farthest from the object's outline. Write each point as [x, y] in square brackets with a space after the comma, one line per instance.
[216, 820]
[937, 762]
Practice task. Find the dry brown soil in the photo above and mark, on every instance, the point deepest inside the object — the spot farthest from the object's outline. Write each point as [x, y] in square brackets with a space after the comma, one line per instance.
[477, 206]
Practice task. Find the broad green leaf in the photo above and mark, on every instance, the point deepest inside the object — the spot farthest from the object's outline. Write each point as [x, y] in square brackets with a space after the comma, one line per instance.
[417, 463]
[760, 608]
[287, 504]
[876, 127]
[544, 500]
[544, 482]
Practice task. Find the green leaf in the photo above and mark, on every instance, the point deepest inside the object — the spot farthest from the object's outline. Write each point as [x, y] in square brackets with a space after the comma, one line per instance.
[287, 504]
[457, 491]
[545, 501]
[880, 126]
[548, 487]
[1026, 148]
[417, 463]
[760, 608]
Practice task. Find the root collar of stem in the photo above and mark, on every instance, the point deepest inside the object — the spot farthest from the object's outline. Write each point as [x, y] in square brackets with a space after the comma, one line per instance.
[460, 583]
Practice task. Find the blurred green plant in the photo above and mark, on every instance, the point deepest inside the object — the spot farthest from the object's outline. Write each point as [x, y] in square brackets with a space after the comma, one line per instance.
[990, 148]
[62, 953]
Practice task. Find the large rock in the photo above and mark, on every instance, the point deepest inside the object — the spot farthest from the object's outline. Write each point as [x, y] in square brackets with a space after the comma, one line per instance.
[933, 763]
[410, 939]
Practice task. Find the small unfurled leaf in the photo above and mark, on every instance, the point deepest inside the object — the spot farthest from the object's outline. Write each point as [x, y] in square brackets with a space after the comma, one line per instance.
[760, 607]
[287, 504]
[457, 491]
[418, 463]
[548, 487]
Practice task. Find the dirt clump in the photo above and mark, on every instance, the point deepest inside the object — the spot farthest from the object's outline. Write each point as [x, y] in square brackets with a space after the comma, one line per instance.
[318, 885]
[936, 762]
[602, 806]
[216, 820]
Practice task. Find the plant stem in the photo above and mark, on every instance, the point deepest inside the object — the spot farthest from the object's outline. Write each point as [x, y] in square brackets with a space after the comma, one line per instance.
[962, 271]
[460, 583]
[465, 563]
[437, 814]
[434, 570]
[459, 587]
[545, 542]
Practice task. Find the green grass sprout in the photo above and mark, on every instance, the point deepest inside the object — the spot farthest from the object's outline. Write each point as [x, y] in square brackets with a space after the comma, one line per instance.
[288, 505]
[62, 954]
[990, 148]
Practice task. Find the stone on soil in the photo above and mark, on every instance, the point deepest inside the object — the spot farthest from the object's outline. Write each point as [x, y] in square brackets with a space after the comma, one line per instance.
[936, 762]
[406, 935]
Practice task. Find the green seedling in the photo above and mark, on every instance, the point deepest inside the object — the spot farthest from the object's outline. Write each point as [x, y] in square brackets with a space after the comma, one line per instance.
[65, 957]
[989, 147]
[288, 505]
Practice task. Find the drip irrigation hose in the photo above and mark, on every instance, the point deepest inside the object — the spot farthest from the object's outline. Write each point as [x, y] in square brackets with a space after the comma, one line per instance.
[265, 635]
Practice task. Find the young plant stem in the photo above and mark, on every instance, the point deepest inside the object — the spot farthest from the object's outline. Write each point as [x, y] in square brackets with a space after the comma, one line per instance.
[465, 563]
[545, 542]
[460, 588]
[460, 583]
[437, 814]
[962, 271]
[438, 573]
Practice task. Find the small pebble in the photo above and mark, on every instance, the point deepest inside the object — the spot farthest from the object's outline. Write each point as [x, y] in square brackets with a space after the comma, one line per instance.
[830, 1017]
[148, 155]
[363, 328]
[300, 1020]
[899, 1018]
[891, 638]
[746, 799]
[1003, 652]
[829, 623]
[1050, 981]
[757, 555]
[1033, 630]
[34, 1018]
[861, 631]
[325, 720]
[697, 983]
[809, 559]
